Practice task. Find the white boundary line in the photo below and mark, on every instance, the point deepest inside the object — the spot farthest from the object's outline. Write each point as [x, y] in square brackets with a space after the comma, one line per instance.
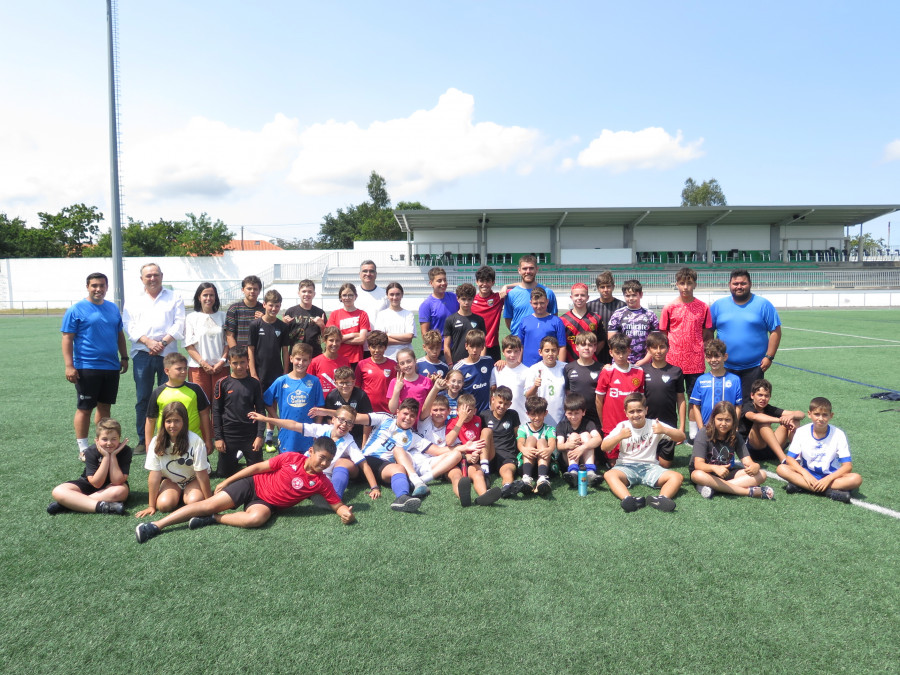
[856, 502]
[825, 332]
[800, 349]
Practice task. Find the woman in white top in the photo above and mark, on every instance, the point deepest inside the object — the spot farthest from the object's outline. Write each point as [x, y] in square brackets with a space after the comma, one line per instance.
[398, 323]
[204, 340]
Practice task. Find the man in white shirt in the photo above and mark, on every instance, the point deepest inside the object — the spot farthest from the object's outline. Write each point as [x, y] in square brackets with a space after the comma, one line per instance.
[154, 322]
[371, 298]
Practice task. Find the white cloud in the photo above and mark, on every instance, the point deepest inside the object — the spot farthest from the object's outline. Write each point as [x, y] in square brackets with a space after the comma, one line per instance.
[650, 148]
[892, 151]
[414, 153]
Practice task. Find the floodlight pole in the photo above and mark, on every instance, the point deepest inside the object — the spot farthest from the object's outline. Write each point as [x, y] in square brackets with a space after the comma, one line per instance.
[116, 225]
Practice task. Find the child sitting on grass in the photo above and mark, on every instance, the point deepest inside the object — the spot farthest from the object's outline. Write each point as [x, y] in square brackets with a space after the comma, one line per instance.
[536, 441]
[712, 462]
[763, 442]
[818, 460]
[103, 485]
[474, 467]
[576, 438]
[637, 438]
[503, 422]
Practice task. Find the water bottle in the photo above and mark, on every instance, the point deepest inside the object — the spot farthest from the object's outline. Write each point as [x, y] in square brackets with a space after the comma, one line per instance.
[582, 483]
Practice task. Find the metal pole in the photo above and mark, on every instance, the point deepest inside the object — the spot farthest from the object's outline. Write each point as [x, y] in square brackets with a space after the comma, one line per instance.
[116, 225]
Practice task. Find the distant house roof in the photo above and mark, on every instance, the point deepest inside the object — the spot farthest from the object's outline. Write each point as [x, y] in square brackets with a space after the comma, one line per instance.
[251, 245]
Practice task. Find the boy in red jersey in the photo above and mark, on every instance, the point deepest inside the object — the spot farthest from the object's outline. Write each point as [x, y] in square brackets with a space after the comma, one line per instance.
[374, 374]
[278, 483]
[489, 306]
[614, 383]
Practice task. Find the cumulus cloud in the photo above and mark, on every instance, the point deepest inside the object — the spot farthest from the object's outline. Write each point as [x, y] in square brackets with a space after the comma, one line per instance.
[650, 148]
[414, 153]
[892, 151]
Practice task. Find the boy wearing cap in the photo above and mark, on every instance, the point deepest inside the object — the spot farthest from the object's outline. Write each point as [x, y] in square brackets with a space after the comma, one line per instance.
[580, 319]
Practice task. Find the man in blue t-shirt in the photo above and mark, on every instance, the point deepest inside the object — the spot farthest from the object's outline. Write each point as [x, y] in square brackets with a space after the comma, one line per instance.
[92, 332]
[750, 328]
[518, 298]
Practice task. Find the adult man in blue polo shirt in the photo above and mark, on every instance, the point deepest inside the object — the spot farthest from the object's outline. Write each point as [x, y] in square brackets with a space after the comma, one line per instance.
[750, 328]
[92, 332]
[517, 304]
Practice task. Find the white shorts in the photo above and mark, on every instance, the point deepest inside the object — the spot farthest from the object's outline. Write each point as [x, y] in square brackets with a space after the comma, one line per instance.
[423, 462]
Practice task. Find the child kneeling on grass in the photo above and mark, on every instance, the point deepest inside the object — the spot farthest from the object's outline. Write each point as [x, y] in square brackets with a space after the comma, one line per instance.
[818, 460]
[712, 468]
[637, 438]
[103, 486]
[278, 483]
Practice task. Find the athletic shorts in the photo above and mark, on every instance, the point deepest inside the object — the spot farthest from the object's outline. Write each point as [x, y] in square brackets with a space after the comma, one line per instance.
[689, 381]
[84, 485]
[377, 465]
[762, 454]
[243, 493]
[643, 473]
[96, 386]
[423, 462]
[502, 457]
[666, 449]
[494, 352]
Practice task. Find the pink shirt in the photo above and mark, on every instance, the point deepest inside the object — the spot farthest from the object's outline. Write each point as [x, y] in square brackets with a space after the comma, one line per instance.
[417, 389]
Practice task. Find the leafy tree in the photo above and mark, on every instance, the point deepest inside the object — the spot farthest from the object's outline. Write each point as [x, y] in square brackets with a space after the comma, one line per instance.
[202, 237]
[308, 244]
[72, 229]
[139, 239]
[708, 193]
[870, 245]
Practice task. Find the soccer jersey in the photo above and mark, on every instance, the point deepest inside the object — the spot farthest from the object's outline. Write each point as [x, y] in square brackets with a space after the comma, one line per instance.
[505, 430]
[304, 329]
[744, 329]
[180, 469]
[268, 341]
[614, 384]
[552, 389]
[546, 432]
[661, 387]
[641, 447]
[323, 368]
[685, 322]
[589, 323]
[489, 309]
[518, 305]
[359, 401]
[533, 329]
[237, 321]
[635, 324]
[745, 426]
[717, 452]
[820, 456]
[456, 327]
[435, 434]
[417, 389]
[348, 323]
[477, 380]
[288, 483]
[374, 378]
[564, 428]
[190, 394]
[294, 398]
[470, 431]
[92, 459]
[387, 434]
[233, 398]
[709, 390]
[346, 446]
[434, 311]
[583, 380]
[604, 310]
[96, 329]
[514, 378]
[427, 368]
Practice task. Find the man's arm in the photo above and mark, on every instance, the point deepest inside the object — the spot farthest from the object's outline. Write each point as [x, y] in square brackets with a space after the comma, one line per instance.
[772, 349]
[68, 352]
[123, 353]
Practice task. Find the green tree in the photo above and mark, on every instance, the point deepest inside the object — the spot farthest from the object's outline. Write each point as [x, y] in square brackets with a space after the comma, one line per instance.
[140, 239]
[870, 245]
[72, 229]
[308, 244]
[203, 237]
[708, 193]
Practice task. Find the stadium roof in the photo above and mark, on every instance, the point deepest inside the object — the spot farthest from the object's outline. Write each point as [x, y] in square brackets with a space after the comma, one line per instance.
[732, 216]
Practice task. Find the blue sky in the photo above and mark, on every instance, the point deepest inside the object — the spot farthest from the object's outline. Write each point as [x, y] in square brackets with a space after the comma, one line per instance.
[272, 114]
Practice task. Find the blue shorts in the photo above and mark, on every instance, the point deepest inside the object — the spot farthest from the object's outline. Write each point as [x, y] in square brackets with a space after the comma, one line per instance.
[644, 473]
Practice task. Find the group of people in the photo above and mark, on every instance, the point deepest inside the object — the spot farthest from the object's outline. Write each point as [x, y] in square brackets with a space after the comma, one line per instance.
[604, 392]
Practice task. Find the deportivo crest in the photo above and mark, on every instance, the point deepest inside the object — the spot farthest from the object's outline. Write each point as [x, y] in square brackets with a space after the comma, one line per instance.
[484, 369]
[490, 302]
[387, 372]
[297, 483]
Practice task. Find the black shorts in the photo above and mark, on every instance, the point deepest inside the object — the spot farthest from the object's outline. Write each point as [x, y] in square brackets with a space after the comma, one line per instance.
[762, 454]
[501, 458]
[494, 352]
[666, 449]
[689, 381]
[377, 465]
[243, 493]
[84, 485]
[96, 386]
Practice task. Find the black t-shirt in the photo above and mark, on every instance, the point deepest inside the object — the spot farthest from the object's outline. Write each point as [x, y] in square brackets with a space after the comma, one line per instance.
[564, 428]
[583, 380]
[359, 401]
[717, 452]
[303, 329]
[233, 398]
[267, 339]
[605, 310]
[745, 425]
[456, 326]
[92, 459]
[504, 430]
[661, 387]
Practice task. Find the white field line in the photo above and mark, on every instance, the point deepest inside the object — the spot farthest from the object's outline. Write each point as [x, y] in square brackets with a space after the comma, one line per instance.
[856, 502]
[826, 332]
[800, 349]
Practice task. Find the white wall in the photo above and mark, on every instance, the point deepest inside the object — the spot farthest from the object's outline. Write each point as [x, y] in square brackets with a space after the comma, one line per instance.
[749, 238]
[590, 237]
[596, 256]
[522, 240]
[465, 235]
[664, 238]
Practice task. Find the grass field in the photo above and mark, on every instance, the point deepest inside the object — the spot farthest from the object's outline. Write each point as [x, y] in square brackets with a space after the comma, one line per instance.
[569, 584]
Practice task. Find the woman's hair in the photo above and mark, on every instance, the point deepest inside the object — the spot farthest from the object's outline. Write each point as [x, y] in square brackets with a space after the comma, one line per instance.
[180, 442]
[202, 287]
[712, 433]
[347, 287]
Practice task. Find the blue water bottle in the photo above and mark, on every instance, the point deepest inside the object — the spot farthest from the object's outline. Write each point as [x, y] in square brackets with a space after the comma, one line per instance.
[582, 483]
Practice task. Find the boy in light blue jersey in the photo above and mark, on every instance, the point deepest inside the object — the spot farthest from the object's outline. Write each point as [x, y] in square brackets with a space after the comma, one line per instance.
[539, 325]
[714, 386]
[292, 397]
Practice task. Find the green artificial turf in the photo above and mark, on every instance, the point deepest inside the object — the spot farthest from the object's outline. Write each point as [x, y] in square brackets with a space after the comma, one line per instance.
[565, 584]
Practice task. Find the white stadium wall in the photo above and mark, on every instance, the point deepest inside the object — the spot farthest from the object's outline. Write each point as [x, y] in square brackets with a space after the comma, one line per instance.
[664, 238]
[523, 240]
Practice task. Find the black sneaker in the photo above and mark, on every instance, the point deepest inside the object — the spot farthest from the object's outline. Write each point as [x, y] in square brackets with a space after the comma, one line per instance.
[793, 489]
[488, 497]
[661, 503]
[543, 486]
[632, 504]
[111, 508]
[595, 480]
[145, 532]
[465, 491]
[838, 495]
[406, 503]
[197, 522]
[571, 478]
[55, 507]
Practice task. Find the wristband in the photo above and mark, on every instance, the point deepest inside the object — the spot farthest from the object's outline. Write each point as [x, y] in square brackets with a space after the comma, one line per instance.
[771, 358]
[123, 358]
[377, 487]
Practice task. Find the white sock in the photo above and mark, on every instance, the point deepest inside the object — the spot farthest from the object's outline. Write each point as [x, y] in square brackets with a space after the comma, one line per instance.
[486, 467]
[692, 429]
[415, 480]
[82, 444]
[269, 435]
[427, 477]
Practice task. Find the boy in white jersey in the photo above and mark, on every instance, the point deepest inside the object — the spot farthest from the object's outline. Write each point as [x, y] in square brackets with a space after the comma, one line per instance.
[818, 460]
[511, 372]
[547, 379]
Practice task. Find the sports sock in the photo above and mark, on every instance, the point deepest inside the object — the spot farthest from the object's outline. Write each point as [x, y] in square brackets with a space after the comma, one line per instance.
[415, 480]
[269, 434]
[427, 477]
[340, 477]
[590, 467]
[692, 429]
[543, 470]
[485, 466]
[572, 467]
[400, 484]
[82, 444]
[527, 469]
